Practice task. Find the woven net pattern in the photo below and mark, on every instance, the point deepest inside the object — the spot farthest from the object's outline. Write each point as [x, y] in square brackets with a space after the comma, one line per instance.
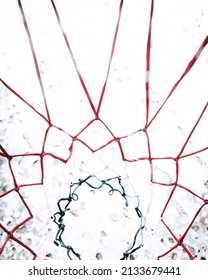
[179, 191]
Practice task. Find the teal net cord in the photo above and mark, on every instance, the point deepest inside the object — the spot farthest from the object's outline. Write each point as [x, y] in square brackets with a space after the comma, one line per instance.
[64, 206]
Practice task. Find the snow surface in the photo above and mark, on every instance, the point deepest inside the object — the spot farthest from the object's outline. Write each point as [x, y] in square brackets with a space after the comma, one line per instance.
[96, 223]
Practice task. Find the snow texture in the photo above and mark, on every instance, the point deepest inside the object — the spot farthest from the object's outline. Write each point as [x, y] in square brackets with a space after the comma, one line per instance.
[99, 225]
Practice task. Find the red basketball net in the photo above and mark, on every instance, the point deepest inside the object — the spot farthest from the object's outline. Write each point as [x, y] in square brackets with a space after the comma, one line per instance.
[8, 231]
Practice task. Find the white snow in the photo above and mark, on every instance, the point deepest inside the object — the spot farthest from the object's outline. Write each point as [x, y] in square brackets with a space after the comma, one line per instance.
[97, 222]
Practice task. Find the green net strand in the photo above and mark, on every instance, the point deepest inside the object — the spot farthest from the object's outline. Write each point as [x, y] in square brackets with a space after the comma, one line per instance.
[64, 206]
[59, 241]
[133, 249]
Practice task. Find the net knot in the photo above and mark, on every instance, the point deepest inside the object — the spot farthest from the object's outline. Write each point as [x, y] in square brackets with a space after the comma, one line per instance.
[180, 241]
[42, 154]
[97, 118]
[9, 157]
[125, 256]
[61, 227]
[117, 139]
[62, 213]
[176, 159]
[10, 234]
[17, 188]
